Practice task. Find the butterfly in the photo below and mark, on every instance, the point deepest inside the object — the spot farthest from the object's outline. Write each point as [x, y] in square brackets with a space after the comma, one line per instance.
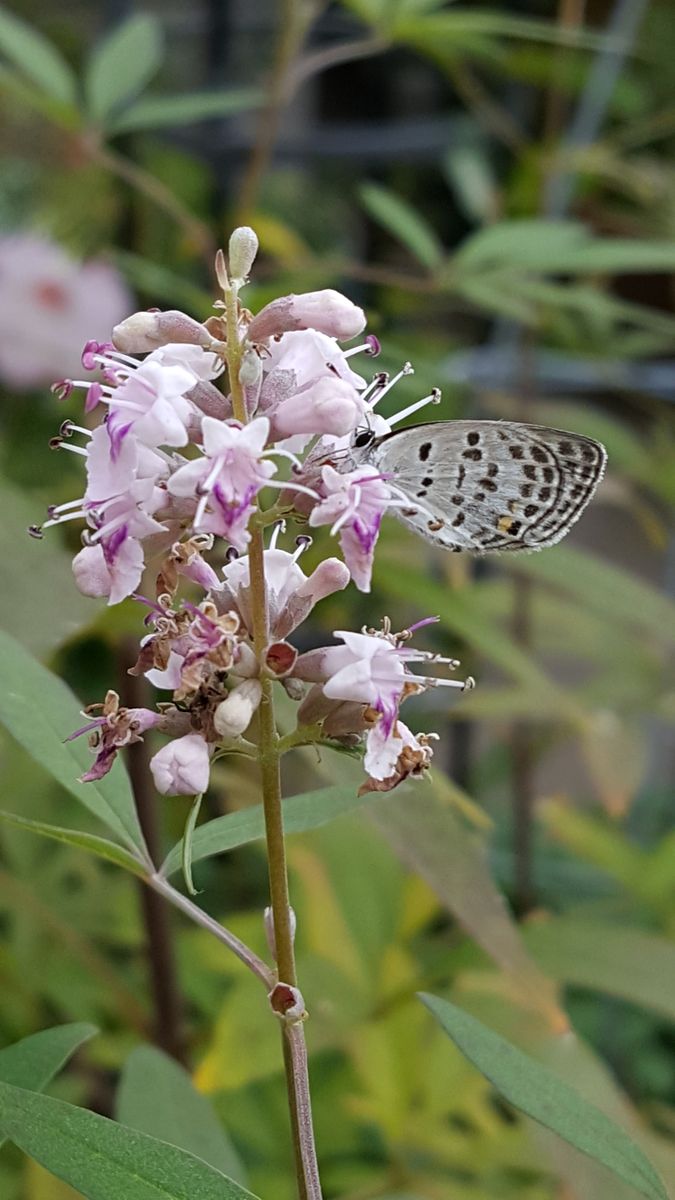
[485, 485]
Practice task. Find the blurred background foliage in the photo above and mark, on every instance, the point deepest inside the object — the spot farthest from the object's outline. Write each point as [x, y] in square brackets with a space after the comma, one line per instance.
[495, 184]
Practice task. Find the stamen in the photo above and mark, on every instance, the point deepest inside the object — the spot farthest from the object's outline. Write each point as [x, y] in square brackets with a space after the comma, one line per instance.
[62, 388]
[57, 443]
[302, 543]
[53, 509]
[294, 487]
[434, 397]
[378, 381]
[231, 554]
[35, 531]
[280, 527]
[68, 428]
[406, 369]
[61, 520]
[285, 454]
[371, 346]
[464, 685]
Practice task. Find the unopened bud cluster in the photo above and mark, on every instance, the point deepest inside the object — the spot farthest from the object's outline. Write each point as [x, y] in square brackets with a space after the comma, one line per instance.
[173, 484]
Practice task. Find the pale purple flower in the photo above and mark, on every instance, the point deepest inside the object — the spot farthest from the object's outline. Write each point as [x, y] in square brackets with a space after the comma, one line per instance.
[369, 669]
[307, 356]
[353, 504]
[152, 402]
[227, 479]
[181, 768]
[49, 305]
[291, 595]
[384, 748]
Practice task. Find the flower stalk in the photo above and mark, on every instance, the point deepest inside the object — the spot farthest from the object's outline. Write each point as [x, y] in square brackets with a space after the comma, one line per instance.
[294, 1050]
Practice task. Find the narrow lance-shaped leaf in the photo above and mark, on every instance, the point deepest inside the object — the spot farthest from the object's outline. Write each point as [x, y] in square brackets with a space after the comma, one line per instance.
[537, 1092]
[101, 847]
[186, 852]
[157, 112]
[122, 64]
[39, 711]
[103, 1160]
[36, 58]
[404, 223]
[158, 1097]
[614, 593]
[308, 811]
[34, 1061]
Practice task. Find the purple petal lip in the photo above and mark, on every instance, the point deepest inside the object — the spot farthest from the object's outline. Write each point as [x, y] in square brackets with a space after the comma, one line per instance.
[367, 536]
[113, 544]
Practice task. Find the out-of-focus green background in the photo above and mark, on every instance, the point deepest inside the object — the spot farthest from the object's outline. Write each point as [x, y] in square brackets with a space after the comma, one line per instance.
[496, 186]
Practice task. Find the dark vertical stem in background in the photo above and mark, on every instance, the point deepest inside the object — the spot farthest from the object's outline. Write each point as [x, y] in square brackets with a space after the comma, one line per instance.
[167, 1006]
[523, 760]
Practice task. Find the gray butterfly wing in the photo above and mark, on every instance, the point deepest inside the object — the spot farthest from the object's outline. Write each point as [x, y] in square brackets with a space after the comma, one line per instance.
[490, 485]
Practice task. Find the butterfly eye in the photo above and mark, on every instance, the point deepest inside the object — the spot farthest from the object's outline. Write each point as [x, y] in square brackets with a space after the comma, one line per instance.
[363, 439]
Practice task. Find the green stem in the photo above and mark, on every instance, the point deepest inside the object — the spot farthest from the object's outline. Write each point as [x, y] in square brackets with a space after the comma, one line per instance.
[295, 1062]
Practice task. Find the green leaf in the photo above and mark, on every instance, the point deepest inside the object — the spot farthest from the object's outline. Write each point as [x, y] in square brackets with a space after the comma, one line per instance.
[102, 847]
[186, 849]
[460, 612]
[404, 223]
[158, 1097]
[34, 1061]
[103, 1160]
[614, 593]
[593, 954]
[39, 711]
[23, 607]
[614, 255]
[529, 243]
[564, 247]
[428, 836]
[308, 811]
[157, 112]
[36, 58]
[537, 1092]
[122, 64]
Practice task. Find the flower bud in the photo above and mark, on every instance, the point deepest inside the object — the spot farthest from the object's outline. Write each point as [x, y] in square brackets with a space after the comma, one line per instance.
[331, 406]
[181, 768]
[268, 920]
[144, 331]
[233, 715]
[327, 311]
[242, 249]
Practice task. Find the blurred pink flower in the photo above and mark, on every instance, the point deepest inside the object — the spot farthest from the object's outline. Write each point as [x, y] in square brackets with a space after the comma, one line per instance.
[49, 306]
